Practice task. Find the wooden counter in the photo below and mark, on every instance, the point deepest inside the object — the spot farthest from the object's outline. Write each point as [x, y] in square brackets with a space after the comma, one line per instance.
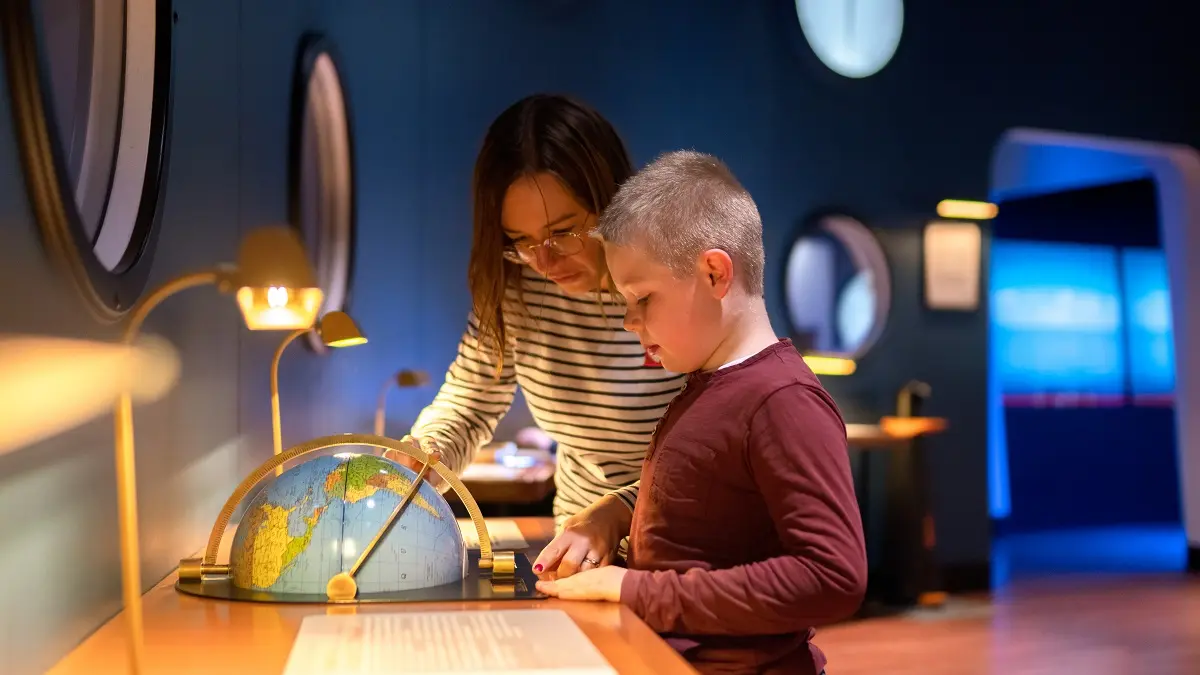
[892, 432]
[185, 634]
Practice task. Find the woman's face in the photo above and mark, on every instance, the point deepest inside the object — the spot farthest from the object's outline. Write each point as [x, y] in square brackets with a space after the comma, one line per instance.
[549, 227]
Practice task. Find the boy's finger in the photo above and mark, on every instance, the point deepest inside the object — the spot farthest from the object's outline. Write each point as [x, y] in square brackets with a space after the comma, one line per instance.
[577, 587]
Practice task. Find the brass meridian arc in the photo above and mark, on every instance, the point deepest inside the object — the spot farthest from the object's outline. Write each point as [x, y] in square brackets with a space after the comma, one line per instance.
[188, 569]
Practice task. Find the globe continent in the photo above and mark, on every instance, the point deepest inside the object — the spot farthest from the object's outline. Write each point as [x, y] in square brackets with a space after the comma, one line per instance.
[313, 521]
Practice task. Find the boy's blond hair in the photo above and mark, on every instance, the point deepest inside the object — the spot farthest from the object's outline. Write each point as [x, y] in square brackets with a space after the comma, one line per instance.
[682, 204]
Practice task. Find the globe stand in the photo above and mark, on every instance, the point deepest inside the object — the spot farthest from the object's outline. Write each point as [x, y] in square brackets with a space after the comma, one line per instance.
[478, 584]
[489, 575]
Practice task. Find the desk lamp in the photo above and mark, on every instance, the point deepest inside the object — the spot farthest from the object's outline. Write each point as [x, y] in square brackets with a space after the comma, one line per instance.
[275, 289]
[403, 378]
[336, 329]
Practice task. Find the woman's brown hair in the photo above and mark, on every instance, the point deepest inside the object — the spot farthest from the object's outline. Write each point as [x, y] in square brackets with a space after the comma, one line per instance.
[542, 133]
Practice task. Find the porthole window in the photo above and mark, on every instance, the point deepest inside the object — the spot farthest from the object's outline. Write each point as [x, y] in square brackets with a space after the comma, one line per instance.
[91, 92]
[837, 287]
[322, 170]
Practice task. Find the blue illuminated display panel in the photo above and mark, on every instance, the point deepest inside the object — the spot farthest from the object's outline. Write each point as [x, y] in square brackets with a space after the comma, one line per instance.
[1148, 325]
[1057, 323]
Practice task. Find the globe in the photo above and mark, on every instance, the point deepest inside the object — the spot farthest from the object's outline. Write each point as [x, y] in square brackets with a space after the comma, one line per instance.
[314, 520]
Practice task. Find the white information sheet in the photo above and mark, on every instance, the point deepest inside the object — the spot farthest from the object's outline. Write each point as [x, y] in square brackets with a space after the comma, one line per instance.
[494, 642]
[505, 534]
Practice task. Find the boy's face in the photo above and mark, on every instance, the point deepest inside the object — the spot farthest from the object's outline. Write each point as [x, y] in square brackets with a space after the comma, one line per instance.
[677, 319]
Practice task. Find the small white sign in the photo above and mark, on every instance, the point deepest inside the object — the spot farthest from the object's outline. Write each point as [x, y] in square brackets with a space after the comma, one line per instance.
[953, 255]
[504, 534]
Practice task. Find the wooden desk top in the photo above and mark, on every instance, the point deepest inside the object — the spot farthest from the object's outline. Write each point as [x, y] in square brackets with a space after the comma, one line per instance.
[185, 634]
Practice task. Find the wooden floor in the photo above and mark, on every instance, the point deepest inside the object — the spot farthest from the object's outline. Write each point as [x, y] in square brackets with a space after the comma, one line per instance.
[1147, 625]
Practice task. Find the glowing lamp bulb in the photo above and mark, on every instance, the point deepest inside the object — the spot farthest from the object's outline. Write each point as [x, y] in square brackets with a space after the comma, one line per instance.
[277, 297]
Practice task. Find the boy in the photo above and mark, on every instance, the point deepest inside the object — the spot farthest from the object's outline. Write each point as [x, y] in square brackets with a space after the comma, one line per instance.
[746, 532]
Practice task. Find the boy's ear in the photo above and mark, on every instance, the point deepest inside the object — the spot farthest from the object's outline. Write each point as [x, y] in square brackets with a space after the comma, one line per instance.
[717, 268]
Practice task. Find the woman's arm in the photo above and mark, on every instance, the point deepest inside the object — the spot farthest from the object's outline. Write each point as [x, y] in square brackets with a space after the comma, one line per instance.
[471, 401]
[628, 495]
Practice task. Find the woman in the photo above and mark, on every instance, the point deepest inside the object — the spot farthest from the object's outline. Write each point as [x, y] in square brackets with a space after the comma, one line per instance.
[544, 319]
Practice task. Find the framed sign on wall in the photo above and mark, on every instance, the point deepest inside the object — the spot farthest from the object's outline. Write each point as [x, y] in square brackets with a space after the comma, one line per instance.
[953, 252]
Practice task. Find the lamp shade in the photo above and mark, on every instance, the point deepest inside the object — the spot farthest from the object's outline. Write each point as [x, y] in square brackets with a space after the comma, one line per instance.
[276, 287]
[412, 378]
[50, 385]
[337, 329]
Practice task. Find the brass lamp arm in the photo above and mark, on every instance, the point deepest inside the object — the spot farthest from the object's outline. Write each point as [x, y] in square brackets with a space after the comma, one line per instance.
[139, 312]
[381, 406]
[404, 378]
[276, 430]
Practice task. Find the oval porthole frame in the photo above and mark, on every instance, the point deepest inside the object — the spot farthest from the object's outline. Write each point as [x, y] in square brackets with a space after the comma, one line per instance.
[139, 174]
[331, 247]
[867, 252]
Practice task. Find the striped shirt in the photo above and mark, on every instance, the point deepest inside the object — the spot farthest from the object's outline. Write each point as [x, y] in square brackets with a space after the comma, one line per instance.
[584, 378]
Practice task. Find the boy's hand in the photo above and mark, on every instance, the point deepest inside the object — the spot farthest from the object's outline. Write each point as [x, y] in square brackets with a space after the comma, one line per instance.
[589, 540]
[598, 584]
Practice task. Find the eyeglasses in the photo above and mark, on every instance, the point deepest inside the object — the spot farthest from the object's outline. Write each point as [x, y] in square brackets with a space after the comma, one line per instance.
[561, 244]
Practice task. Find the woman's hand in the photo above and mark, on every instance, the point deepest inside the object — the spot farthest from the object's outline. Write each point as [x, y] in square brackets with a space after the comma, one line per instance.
[428, 445]
[588, 540]
[597, 584]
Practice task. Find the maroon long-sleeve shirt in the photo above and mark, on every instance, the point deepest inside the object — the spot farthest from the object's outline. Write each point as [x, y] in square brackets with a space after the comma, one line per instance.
[746, 532]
